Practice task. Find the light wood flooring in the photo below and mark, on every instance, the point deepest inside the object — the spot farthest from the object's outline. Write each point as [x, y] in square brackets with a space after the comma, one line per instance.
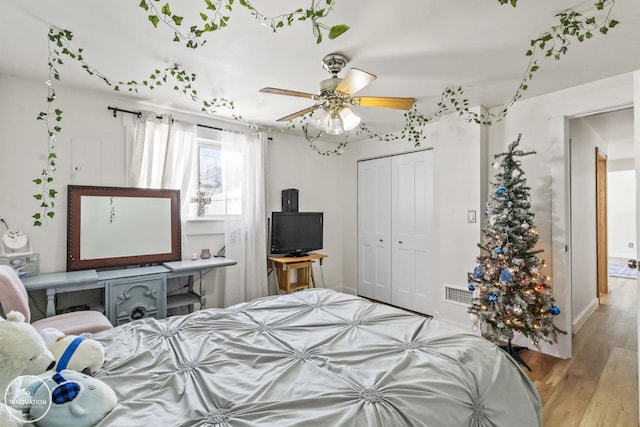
[599, 385]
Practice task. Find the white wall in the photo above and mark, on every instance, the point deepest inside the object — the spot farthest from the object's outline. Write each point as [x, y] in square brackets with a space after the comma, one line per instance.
[460, 185]
[542, 121]
[584, 299]
[621, 213]
[293, 164]
[93, 139]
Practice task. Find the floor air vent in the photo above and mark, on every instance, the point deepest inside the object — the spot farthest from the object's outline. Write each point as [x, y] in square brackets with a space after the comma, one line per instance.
[457, 296]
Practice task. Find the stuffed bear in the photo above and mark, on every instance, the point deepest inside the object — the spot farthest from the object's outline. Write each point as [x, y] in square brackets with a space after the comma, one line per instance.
[22, 352]
[73, 352]
[70, 398]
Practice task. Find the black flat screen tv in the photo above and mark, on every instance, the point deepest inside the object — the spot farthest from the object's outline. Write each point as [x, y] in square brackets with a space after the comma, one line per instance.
[296, 233]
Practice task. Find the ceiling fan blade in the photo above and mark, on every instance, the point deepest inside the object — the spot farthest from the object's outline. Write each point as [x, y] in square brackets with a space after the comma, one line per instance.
[383, 102]
[287, 92]
[299, 113]
[355, 80]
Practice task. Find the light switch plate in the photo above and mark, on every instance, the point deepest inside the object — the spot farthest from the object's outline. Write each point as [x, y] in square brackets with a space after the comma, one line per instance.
[471, 216]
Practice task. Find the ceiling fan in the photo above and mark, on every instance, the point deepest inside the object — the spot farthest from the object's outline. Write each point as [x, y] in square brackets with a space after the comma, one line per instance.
[336, 94]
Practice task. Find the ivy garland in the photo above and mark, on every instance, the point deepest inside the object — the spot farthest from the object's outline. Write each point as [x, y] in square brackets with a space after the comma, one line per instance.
[59, 47]
[554, 43]
[217, 14]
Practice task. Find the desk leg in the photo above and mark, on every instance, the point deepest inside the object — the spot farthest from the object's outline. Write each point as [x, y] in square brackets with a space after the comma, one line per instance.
[274, 269]
[51, 302]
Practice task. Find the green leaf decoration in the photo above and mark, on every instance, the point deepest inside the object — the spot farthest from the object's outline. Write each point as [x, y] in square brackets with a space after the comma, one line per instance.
[166, 10]
[337, 30]
[143, 4]
[154, 20]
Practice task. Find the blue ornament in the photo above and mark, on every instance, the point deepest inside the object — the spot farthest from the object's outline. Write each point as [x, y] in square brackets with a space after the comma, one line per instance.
[500, 251]
[477, 272]
[486, 212]
[471, 287]
[493, 298]
[554, 310]
[505, 276]
[500, 191]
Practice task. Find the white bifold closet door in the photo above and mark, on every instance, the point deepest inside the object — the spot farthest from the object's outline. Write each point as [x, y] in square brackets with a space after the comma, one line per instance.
[374, 229]
[395, 230]
[412, 222]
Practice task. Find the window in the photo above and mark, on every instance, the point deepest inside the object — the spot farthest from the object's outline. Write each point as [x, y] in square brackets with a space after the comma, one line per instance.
[211, 198]
[207, 198]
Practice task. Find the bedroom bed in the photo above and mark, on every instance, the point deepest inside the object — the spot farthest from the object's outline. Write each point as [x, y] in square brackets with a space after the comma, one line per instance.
[313, 358]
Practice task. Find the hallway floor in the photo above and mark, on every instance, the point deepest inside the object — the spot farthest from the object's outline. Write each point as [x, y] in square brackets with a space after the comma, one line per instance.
[599, 385]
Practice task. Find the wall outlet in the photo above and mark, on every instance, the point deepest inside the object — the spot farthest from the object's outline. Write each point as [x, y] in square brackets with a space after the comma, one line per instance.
[630, 245]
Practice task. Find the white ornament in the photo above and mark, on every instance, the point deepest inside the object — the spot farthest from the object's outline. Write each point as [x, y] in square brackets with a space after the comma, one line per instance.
[525, 226]
[496, 165]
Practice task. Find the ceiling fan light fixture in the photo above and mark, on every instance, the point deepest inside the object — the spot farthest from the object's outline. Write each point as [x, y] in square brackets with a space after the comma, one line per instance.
[320, 119]
[349, 119]
[335, 125]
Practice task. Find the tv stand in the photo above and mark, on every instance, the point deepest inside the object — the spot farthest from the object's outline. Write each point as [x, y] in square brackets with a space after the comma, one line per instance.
[284, 265]
[297, 255]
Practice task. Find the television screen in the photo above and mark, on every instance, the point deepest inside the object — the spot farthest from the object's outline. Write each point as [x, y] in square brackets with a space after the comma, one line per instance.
[296, 233]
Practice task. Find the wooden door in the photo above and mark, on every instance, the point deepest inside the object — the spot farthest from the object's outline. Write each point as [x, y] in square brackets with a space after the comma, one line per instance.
[374, 229]
[601, 224]
[412, 231]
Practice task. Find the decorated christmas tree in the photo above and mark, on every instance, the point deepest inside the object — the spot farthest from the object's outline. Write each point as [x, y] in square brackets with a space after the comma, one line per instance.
[511, 293]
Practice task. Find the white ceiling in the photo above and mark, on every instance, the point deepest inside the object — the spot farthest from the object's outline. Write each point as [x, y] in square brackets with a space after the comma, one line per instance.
[415, 47]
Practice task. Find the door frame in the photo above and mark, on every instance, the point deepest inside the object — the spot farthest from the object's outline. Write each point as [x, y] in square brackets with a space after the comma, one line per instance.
[602, 258]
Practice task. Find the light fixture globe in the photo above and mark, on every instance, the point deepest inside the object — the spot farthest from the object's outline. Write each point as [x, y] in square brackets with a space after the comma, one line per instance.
[320, 119]
[349, 119]
[335, 125]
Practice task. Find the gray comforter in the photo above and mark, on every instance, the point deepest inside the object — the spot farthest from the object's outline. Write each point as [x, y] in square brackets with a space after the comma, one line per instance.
[312, 358]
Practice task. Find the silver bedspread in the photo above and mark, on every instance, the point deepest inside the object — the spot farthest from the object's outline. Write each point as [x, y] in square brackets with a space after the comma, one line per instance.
[312, 358]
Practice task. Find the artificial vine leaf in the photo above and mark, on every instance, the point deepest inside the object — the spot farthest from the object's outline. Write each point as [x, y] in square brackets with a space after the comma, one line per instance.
[154, 20]
[143, 4]
[337, 30]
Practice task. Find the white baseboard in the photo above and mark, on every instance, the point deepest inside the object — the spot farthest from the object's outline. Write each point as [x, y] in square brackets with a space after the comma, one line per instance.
[627, 255]
[582, 317]
[350, 291]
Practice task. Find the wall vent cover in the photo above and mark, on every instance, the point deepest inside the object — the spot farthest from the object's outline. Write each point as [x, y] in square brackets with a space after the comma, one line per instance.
[459, 296]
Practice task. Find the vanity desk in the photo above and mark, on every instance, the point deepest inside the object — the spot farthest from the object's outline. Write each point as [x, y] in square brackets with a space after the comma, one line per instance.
[131, 293]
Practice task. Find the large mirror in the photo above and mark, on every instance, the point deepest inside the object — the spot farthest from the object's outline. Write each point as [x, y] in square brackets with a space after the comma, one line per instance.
[116, 226]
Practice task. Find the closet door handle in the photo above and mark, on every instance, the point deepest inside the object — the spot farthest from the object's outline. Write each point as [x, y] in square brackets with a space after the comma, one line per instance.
[400, 241]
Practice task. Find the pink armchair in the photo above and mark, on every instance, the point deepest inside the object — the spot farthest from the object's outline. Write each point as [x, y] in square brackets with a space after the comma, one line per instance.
[13, 296]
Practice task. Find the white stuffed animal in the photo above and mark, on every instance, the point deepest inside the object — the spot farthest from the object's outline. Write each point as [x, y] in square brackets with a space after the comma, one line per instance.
[22, 352]
[73, 352]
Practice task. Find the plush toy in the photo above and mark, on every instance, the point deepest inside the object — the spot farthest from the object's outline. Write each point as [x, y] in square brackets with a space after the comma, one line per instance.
[72, 399]
[73, 352]
[22, 352]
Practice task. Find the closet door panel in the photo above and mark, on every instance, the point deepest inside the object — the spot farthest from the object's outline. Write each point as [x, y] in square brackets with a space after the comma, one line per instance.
[374, 229]
[423, 237]
[412, 231]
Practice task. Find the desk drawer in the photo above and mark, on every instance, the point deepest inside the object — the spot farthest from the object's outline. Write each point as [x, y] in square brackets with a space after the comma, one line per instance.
[136, 298]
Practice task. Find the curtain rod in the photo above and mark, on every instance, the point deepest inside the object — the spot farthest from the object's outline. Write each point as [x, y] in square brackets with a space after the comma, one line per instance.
[139, 114]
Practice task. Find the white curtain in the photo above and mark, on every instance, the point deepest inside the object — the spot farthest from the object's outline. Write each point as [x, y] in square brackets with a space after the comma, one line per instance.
[244, 180]
[163, 155]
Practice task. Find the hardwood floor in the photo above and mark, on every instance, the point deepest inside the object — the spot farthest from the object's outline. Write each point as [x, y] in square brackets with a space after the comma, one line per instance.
[599, 385]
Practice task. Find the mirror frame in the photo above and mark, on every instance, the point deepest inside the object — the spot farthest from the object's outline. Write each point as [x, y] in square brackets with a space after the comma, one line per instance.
[74, 215]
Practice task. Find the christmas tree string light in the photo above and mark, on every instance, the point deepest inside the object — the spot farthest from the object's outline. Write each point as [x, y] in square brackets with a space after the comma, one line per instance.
[511, 295]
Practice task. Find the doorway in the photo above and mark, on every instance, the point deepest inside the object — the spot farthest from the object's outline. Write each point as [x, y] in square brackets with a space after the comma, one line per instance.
[594, 239]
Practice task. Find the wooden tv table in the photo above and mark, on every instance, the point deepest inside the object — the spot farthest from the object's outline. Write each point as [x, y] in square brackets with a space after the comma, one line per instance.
[284, 265]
